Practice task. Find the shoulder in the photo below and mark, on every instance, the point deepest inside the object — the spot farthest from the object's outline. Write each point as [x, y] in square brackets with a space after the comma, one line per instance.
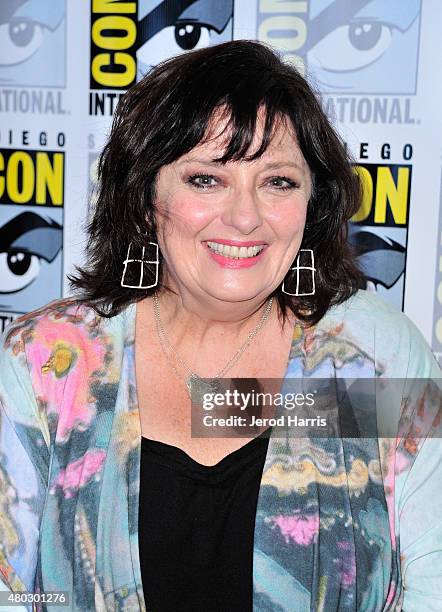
[58, 321]
[385, 332]
[57, 336]
[63, 311]
[370, 304]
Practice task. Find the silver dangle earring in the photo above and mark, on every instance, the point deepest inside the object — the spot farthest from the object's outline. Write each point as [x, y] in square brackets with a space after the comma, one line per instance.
[132, 263]
[308, 264]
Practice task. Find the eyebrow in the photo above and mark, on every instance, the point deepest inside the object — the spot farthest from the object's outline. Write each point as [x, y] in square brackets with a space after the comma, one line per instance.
[32, 233]
[269, 166]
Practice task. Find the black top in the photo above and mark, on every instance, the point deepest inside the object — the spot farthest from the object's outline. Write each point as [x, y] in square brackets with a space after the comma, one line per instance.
[196, 527]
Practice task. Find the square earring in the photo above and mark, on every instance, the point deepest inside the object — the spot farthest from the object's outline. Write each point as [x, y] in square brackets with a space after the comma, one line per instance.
[132, 261]
[309, 269]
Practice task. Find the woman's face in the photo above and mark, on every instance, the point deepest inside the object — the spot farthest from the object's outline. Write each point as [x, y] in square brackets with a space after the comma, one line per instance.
[233, 229]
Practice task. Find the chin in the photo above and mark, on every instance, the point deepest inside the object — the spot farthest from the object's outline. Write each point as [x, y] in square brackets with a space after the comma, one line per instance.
[234, 294]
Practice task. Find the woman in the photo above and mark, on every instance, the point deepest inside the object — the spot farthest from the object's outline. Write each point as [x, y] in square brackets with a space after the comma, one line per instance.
[217, 249]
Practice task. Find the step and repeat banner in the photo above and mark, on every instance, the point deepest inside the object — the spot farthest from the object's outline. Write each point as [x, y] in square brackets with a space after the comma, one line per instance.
[64, 65]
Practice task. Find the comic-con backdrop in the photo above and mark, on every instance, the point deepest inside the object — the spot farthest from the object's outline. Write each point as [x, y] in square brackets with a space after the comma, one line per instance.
[375, 64]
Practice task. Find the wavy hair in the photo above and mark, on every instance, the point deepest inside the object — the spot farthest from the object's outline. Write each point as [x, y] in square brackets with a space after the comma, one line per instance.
[167, 114]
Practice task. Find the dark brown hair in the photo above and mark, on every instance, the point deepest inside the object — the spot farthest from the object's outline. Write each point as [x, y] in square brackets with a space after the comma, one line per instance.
[166, 115]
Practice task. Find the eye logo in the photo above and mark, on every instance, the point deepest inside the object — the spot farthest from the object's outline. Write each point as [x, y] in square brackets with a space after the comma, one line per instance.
[356, 47]
[172, 28]
[379, 230]
[129, 38]
[25, 241]
[30, 258]
[31, 228]
[32, 43]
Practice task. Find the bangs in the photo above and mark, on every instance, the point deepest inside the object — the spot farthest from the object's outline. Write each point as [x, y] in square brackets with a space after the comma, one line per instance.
[239, 98]
[242, 129]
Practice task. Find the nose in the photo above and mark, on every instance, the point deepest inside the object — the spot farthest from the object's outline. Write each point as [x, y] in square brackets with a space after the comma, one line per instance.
[242, 211]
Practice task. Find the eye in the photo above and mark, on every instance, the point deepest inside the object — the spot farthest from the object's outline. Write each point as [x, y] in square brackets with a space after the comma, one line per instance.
[352, 46]
[18, 269]
[175, 39]
[19, 40]
[202, 181]
[282, 183]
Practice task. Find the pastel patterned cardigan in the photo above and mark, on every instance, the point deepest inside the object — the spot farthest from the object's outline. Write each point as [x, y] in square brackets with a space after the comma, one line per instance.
[342, 524]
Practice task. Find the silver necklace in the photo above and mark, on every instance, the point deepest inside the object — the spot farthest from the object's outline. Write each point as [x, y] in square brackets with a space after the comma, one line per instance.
[196, 386]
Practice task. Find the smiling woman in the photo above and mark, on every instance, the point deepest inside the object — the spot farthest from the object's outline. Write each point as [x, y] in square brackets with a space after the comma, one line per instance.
[218, 248]
[217, 211]
[227, 154]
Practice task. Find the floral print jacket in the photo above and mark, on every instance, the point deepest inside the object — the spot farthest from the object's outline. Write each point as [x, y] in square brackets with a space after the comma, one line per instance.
[341, 524]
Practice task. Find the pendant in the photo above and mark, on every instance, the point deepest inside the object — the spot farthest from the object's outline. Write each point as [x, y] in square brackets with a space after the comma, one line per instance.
[197, 388]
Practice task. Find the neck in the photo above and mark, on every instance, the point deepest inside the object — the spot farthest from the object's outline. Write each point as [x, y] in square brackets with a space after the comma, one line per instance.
[183, 313]
[207, 338]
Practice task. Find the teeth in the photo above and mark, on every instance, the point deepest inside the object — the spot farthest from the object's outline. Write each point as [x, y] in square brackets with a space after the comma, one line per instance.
[235, 252]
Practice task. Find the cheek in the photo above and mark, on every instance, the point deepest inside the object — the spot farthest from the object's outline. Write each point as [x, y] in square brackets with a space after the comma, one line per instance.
[186, 217]
[288, 221]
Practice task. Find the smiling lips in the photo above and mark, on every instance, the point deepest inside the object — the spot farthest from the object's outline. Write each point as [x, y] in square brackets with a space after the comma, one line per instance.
[235, 254]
